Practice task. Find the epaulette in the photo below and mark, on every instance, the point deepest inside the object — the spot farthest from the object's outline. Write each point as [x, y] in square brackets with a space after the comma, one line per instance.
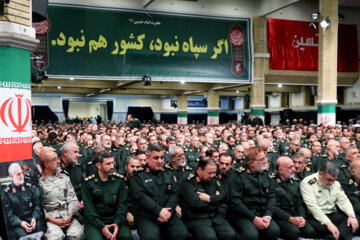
[240, 169]
[343, 166]
[323, 155]
[308, 169]
[271, 175]
[7, 189]
[312, 181]
[191, 175]
[188, 168]
[218, 183]
[186, 150]
[117, 175]
[140, 169]
[351, 181]
[90, 177]
[168, 166]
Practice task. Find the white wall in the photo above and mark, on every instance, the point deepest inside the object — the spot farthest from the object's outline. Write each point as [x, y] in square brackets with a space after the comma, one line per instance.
[274, 101]
[83, 110]
[297, 99]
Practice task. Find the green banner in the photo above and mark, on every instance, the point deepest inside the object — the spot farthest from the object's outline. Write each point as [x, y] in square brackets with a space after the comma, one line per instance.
[129, 44]
[326, 108]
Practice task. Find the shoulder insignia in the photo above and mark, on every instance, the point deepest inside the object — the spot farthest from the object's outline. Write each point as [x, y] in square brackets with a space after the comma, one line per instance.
[90, 177]
[240, 169]
[28, 184]
[140, 169]
[351, 181]
[312, 181]
[7, 189]
[324, 155]
[118, 175]
[271, 175]
[308, 169]
[198, 159]
[188, 168]
[191, 175]
[218, 183]
[175, 179]
[186, 150]
[343, 166]
[168, 166]
[89, 163]
[127, 149]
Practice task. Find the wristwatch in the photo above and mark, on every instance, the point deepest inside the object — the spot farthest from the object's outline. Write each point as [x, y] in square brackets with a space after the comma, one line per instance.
[352, 216]
[268, 217]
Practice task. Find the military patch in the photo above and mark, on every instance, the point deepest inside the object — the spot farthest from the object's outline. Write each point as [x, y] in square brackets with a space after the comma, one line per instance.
[272, 175]
[198, 179]
[220, 176]
[343, 166]
[188, 168]
[7, 189]
[140, 169]
[308, 169]
[28, 184]
[351, 181]
[218, 183]
[240, 169]
[191, 175]
[312, 181]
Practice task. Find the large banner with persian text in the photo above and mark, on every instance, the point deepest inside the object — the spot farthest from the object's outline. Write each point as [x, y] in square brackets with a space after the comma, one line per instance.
[129, 44]
[293, 45]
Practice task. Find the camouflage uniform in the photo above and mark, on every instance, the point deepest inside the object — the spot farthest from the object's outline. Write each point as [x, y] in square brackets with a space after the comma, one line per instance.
[60, 201]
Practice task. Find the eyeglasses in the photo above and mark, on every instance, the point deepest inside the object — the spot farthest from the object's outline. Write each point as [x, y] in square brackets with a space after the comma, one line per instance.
[261, 160]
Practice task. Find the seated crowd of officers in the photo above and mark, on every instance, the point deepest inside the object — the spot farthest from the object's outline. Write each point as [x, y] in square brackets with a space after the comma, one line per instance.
[187, 182]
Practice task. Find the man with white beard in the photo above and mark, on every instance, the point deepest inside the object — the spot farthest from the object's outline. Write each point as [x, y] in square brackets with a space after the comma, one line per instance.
[178, 164]
[290, 212]
[22, 207]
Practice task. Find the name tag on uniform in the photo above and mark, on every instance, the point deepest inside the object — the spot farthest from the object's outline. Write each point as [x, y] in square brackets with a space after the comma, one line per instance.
[148, 180]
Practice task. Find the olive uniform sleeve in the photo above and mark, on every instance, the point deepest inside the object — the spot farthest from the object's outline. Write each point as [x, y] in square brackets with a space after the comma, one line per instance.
[237, 204]
[14, 220]
[189, 194]
[90, 211]
[138, 193]
[342, 201]
[120, 218]
[271, 199]
[353, 198]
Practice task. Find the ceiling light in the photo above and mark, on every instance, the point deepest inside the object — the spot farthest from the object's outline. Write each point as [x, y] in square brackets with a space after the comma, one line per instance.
[237, 91]
[325, 23]
[59, 87]
[182, 82]
[72, 79]
[280, 85]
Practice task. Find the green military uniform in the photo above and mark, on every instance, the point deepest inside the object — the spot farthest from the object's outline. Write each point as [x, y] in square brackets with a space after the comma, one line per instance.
[344, 173]
[315, 158]
[180, 174]
[239, 163]
[105, 202]
[308, 170]
[276, 145]
[134, 124]
[272, 156]
[258, 121]
[205, 220]
[192, 158]
[284, 146]
[167, 158]
[22, 203]
[253, 195]
[321, 200]
[76, 174]
[226, 181]
[150, 193]
[337, 160]
[290, 204]
[352, 190]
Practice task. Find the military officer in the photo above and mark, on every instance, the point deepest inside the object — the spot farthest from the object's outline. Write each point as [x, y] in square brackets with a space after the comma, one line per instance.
[352, 154]
[193, 154]
[253, 198]
[352, 187]
[70, 166]
[133, 122]
[290, 212]
[132, 163]
[105, 201]
[331, 155]
[302, 170]
[239, 160]
[204, 205]
[178, 164]
[21, 204]
[316, 152]
[321, 192]
[154, 195]
[59, 200]
[226, 173]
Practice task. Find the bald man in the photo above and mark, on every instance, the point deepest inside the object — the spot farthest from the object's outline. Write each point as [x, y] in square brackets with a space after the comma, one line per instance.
[290, 212]
[352, 186]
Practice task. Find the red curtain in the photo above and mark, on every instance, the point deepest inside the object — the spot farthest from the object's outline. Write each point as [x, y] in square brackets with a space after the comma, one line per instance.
[293, 45]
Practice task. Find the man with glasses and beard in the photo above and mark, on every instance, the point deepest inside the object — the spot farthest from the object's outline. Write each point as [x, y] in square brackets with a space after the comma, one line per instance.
[290, 212]
[253, 199]
[21, 204]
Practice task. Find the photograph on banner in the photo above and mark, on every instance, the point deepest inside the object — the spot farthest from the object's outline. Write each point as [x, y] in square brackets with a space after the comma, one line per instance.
[19, 171]
[21, 200]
